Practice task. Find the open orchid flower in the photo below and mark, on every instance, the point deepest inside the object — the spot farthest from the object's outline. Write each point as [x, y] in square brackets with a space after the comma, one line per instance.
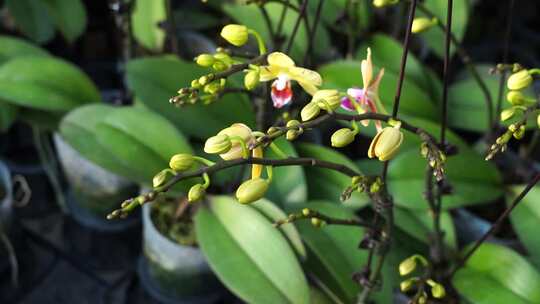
[365, 99]
[282, 68]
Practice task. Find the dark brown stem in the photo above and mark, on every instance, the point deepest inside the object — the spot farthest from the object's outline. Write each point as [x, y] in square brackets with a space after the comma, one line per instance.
[325, 218]
[312, 32]
[240, 67]
[495, 225]
[268, 23]
[507, 35]
[301, 14]
[171, 28]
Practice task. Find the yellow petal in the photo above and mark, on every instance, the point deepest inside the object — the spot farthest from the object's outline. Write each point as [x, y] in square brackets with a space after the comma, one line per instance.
[280, 59]
[268, 72]
[305, 75]
[308, 87]
[371, 150]
[367, 69]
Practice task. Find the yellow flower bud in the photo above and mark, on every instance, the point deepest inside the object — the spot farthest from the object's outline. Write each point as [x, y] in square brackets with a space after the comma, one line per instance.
[205, 60]
[538, 121]
[160, 178]
[507, 114]
[203, 80]
[220, 66]
[407, 266]
[235, 34]
[519, 80]
[437, 290]
[251, 190]
[519, 133]
[251, 80]
[293, 133]
[407, 284]
[342, 137]
[422, 24]
[317, 222]
[217, 144]
[383, 3]
[236, 130]
[327, 98]
[181, 162]
[310, 111]
[196, 192]
[306, 211]
[386, 143]
[516, 98]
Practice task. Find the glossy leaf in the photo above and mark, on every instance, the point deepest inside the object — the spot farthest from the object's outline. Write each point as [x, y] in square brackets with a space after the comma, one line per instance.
[525, 218]
[146, 19]
[326, 184]
[69, 17]
[473, 180]
[495, 274]
[274, 214]
[32, 19]
[141, 140]
[155, 80]
[460, 15]
[289, 183]
[248, 254]
[45, 83]
[414, 101]
[14, 47]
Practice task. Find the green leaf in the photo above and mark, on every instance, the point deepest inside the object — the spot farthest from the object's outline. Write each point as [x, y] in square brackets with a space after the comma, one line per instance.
[289, 183]
[326, 184]
[141, 140]
[460, 15]
[146, 17]
[473, 180]
[414, 101]
[248, 254]
[32, 19]
[155, 80]
[332, 10]
[14, 47]
[495, 270]
[69, 17]
[525, 218]
[8, 114]
[419, 224]
[45, 83]
[40, 119]
[251, 16]
[274, 214]
[333, 254]
[78, 129]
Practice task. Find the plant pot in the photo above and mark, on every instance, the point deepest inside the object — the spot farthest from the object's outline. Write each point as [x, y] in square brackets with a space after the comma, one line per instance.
[174, 273]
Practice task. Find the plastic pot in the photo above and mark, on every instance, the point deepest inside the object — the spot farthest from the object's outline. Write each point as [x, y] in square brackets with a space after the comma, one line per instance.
[174, 273]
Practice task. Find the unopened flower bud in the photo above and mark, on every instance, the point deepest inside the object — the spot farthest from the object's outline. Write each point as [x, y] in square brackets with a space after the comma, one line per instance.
[310, 111]
[160, 178]
[217, 144]
[538, 121]
[422, 24]
[437, 290]
[251, 80]
[386, 143]
[238, 130]
[407, 284]
[327, 99]
[292, 134]
[196, 192]
[516, 98]
[251, 190]
[519, 80]
[306, 211]
[195, 84]
[342, 137]
[317, 222]
[205, 60]
[519, 133]
[181, 162]
[220, 66]
[383, 3]
[235, 34]
[203, 80]
[407, 266]
[507, 113]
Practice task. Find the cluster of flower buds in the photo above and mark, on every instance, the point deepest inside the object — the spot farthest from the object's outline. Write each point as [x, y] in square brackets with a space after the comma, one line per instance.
[328, 100]
[360, 184]
[315, 218]
[210, 87]
[518, 81]
[220, 61]
[407, 267]
[435, 157]
[516, 130]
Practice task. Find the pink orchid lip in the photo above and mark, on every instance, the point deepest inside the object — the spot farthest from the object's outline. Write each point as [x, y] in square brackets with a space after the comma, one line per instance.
[281, 94]
[357, 94]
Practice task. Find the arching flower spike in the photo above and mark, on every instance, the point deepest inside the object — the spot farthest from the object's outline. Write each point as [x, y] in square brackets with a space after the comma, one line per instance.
[282, 68]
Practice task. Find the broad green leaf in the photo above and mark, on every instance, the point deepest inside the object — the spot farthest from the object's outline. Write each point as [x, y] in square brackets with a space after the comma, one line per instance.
[251, 16]
[32, 19]
[326, 184]
[78, 129]
[249, 255]
[525, 219]
[419, 224]
[500, 270]
[14, 47]
[45, 83]
[414, 101]
[69, 17]
[473, 180]
[141, 140]
[333, 254]
[195, 19]
[289, 183]
[8, 114]
[460, 15]
[156, 80]
[146, 19]
[274, 214]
